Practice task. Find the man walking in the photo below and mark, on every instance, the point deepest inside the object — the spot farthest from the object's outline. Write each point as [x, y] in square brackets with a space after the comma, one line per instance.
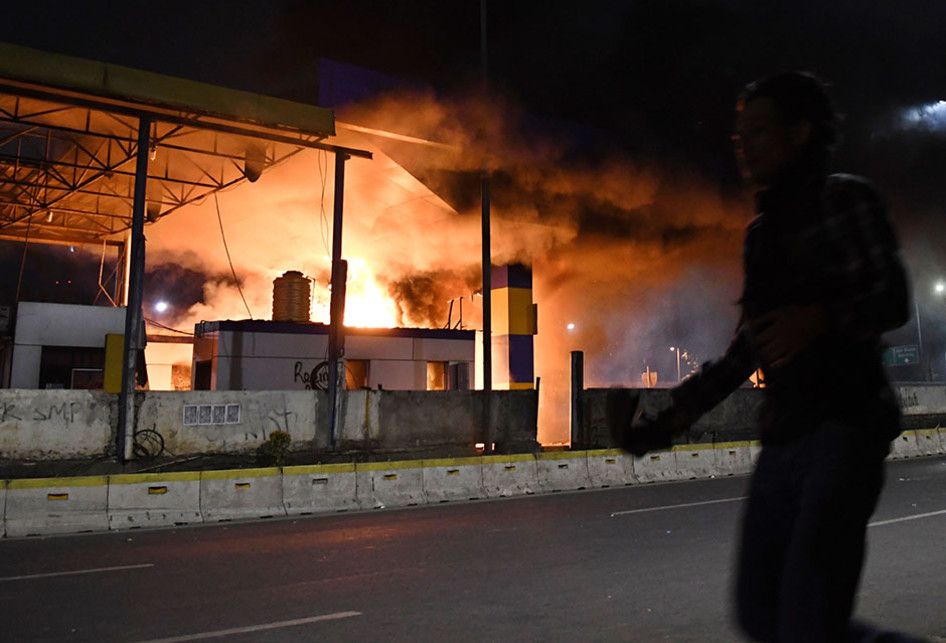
[823, 281]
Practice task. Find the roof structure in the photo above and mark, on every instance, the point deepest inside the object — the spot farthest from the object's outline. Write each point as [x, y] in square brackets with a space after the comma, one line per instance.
[68, 143]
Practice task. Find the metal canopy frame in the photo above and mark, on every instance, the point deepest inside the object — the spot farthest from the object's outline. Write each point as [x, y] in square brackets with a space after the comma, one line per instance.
[90, 152]
[67, 170]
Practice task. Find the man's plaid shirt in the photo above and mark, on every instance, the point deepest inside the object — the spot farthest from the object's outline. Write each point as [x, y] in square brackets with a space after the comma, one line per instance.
[824, 241]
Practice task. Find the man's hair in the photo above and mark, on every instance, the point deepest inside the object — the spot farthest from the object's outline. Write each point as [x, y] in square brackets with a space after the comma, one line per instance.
[799, 96]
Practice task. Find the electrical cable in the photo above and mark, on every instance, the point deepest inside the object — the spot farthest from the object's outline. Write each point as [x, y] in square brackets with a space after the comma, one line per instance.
[229, 260]
[26, 244]
[174, 330]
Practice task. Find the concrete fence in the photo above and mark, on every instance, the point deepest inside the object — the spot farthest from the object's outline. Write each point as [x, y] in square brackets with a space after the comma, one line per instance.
[734, 420]
[64, 424]
[129, 501]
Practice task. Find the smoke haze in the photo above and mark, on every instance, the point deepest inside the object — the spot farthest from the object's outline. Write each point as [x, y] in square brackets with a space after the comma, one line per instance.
[637, 258]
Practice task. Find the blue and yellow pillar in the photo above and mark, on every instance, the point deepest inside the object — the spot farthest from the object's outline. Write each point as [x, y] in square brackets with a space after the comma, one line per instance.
[514, 320]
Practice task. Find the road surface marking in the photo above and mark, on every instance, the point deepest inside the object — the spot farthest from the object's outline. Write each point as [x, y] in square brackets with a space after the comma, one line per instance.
[905, 518]
[255, 628]
[681, 506]
[96, 570]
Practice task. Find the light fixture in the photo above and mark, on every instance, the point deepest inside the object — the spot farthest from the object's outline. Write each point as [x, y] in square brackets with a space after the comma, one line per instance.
[161, 306]
[254, 163]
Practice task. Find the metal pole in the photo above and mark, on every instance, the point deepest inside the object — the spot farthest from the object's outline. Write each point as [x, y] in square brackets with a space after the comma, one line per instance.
[924, 363]
[678, 363]
[133, 317]
[486, 260]
[577, 387]
[336, 336]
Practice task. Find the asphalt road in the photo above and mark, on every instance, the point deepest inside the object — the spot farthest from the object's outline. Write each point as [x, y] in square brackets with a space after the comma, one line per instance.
[556, 567]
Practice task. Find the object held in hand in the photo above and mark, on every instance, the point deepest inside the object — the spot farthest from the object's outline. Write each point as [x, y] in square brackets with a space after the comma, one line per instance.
[636, 432]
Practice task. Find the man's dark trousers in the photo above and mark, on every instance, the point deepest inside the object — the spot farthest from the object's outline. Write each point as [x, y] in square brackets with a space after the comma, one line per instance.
[804, 535]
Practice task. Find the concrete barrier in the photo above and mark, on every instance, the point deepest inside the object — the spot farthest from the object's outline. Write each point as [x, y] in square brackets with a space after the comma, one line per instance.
[390, 484]
[562, 471]
[610, 468]
[319, 488]
[655, 467]
[942, 440]
[732, 458]
[241, 493]
[904, 446]
[928, 441]
[755, 448]
[52, 424]
[453, 479]
[3, 508]
[153, 499]
[56, 505]
[509, 475]
[695, 461]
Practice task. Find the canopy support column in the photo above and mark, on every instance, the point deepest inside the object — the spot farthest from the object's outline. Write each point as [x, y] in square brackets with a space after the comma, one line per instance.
[133, 315]
[336, 337]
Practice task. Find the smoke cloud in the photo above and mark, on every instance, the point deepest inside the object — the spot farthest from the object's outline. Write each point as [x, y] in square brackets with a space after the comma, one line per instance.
[638, 258]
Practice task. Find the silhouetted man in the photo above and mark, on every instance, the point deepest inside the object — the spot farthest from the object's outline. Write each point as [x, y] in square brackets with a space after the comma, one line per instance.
[823, 281]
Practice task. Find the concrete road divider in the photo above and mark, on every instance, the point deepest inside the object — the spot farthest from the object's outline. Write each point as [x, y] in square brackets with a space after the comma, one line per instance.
[319, 488]
[610, 468]
[241, 493]
[928, 441]
[904, 446]
[390, 484]
[656, 467]
[695, 461]
[153, 499]
[56, 505]
[453, 479]
[755, 448]
[3, 508]
[509, 475]
[732, 458]
[562, 470]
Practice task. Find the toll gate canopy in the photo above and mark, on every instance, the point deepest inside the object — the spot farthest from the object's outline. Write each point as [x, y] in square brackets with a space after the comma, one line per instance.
[91, 152]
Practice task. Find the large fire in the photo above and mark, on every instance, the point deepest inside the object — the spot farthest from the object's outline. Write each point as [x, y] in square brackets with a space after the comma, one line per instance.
[637, 259]
[367, 302]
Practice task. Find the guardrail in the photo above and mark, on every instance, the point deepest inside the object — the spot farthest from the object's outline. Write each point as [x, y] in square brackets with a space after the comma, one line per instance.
[40, 506]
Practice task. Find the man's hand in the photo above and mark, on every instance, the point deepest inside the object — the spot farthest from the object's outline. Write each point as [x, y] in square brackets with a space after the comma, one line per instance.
[782, 334]
[636, 433]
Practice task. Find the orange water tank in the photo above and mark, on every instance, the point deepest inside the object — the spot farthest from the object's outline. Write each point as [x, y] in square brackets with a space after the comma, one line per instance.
[292, 297]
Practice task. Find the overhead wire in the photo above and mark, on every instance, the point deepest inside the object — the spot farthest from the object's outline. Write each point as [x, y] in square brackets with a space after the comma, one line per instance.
[229, 260]
[173, 330]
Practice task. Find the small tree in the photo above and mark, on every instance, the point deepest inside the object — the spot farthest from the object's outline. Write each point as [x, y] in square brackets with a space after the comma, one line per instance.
[272, 453]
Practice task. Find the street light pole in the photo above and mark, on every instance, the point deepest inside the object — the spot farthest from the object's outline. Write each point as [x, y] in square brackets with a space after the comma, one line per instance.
[924, 362]
[676, 349]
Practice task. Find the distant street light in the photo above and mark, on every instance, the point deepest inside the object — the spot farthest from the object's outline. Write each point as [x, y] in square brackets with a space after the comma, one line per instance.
[570, 326]
[161, 306]
[939, 288]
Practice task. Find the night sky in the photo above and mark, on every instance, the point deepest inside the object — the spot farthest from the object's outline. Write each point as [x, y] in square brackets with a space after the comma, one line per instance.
[655, 79]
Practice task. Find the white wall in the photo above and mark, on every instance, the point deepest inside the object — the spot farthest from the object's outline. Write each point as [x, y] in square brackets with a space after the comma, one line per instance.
[36, 425]
[66, 324]
[282, 361]
[41, 324]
